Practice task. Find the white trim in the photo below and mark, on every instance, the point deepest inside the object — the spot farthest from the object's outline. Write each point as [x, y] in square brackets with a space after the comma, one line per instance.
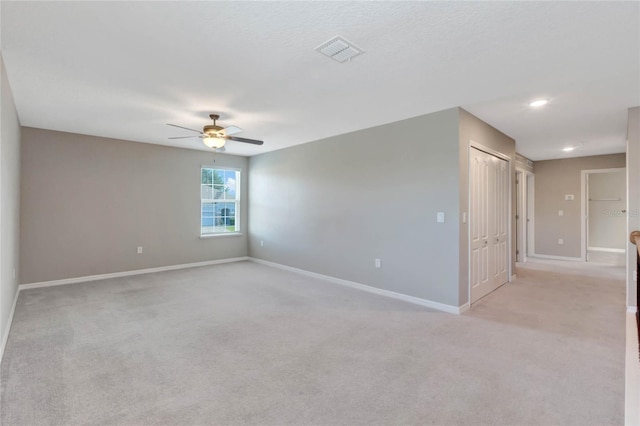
[221, 234]
[381, 292]
[5, 337]
[548, 256]
[129, 273]
[608, 250]
[632, 309]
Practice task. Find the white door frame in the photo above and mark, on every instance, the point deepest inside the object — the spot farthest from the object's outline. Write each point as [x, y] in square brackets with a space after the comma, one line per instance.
[474, 144]
[524, 195]
[531, 217]
[584, 207]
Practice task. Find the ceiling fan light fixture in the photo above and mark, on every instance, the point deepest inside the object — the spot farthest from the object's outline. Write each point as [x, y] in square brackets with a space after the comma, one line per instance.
[213, 142]
[214, 136]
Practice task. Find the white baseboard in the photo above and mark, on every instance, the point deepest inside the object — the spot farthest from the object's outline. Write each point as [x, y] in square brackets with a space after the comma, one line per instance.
[464, 308]
[548, 256]
[608, 250]
[129, 273]
[411, 299]
[5, 336]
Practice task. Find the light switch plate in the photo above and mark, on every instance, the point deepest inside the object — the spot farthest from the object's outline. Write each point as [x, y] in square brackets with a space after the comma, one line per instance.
[440, 217]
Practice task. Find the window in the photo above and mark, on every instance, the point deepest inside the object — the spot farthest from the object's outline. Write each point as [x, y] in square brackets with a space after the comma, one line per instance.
[219, 201]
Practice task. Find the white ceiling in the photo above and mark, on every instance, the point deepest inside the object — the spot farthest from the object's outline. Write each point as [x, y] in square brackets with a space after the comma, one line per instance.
[125, 69]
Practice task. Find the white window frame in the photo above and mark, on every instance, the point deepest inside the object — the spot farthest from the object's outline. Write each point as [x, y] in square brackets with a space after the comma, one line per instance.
[236, 201]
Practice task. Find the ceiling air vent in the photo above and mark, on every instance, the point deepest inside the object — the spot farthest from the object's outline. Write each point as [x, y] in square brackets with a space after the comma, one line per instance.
[339, 49]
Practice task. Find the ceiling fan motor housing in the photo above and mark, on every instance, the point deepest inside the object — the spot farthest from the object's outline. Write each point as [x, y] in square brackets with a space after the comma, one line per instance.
[212, 129]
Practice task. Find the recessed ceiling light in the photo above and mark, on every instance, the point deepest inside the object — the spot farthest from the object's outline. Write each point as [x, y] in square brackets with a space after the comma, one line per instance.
[538, 103]
[567, 149]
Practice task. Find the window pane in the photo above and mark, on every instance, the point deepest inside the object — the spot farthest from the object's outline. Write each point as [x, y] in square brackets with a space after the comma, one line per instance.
[206, 192]
[218, 177]
[230, 184]
[218, 192]
[207, 176]
[207, 214]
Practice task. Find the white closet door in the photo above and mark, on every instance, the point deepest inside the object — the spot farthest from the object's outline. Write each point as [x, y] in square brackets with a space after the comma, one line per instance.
[489, 192]
[479, 219]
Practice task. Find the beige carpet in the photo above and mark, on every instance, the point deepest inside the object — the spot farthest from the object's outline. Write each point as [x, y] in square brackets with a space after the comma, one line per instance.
[244, 343]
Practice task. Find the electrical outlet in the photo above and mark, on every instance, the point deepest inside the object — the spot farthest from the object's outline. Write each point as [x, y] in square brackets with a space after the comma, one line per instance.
[139, 250]
[440, 217]
[377, 263]
[261, 243]
[560, 241]
[560, 212]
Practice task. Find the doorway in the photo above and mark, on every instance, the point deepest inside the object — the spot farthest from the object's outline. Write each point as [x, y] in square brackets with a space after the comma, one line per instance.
[604, 236]
[520, 216]
[488, 222]
[524, 215]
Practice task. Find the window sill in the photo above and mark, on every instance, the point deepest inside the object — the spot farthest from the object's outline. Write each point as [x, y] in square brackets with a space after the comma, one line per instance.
[228, 234]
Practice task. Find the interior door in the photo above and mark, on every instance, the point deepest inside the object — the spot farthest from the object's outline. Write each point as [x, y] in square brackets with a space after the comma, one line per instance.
[489, 209]
[479, 221]
[499, 211]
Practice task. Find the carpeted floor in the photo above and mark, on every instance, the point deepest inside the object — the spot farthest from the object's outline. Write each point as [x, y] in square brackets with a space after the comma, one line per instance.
[244, 343]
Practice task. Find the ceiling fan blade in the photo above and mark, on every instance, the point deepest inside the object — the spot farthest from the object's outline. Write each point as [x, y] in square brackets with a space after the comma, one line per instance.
[184, 137]
[186, 128]
[245, 140]
[231, 130]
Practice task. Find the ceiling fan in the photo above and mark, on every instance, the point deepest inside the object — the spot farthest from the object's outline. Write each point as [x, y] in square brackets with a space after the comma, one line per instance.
[215, 136]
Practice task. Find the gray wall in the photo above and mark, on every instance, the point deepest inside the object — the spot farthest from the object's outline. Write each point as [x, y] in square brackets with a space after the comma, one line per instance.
[633, 197]
[334, 205]
[474, 129]
[555, 179]
[89, 202]
[10, 196]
